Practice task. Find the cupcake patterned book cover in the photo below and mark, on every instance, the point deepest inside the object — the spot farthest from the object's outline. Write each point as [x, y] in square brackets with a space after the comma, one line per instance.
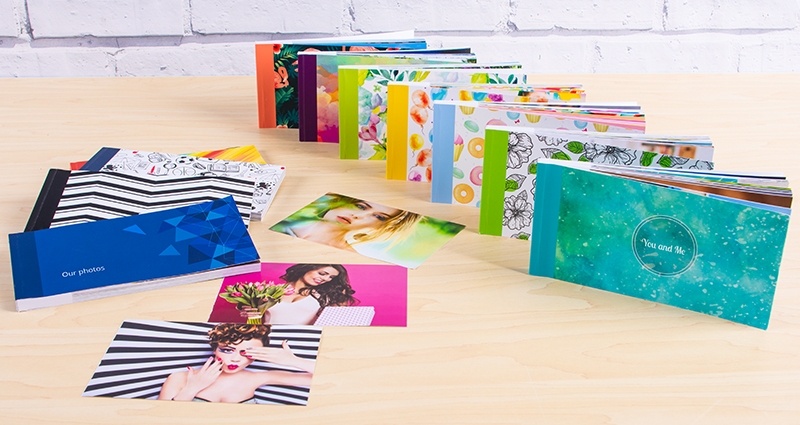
[716, 253]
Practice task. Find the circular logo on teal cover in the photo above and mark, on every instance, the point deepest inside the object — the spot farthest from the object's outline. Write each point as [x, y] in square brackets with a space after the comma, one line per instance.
[664, 245]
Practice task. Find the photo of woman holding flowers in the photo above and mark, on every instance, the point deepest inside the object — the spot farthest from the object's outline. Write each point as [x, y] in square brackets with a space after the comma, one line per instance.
[299, 293]
[305, 291]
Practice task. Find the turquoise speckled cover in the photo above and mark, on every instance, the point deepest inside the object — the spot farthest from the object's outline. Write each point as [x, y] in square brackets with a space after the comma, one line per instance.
[670, 246]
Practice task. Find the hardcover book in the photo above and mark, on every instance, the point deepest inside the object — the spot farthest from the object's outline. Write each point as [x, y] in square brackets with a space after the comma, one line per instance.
[704, 241]
[266, 178]
[318, 83]
[512, 155]
[409, 119]
[458, 172]
[338, 294]
[72, 197]
[151, 360]
[276, 69]
[363, 92]
[130, 254]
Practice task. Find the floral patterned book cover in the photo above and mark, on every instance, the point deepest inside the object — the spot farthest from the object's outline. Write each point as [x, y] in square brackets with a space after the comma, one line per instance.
[682, 238]
[458, 141]
[318, 87]
[276, 73]
[363, 92]
[512, 155]
[409, 124]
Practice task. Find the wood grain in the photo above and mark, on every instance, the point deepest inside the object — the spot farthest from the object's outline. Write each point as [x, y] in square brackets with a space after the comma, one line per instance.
[486, 343]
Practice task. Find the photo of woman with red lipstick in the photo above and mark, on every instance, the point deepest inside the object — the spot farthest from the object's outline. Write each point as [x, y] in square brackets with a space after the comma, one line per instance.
[208, 362]
[369, 228]
[224, 376]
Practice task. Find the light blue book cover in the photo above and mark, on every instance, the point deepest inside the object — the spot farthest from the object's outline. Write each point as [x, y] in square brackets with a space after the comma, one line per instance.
[97, 259]
[708, 254]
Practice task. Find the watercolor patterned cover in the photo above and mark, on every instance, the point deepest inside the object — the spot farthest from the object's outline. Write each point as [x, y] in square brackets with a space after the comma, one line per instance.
[708, 254]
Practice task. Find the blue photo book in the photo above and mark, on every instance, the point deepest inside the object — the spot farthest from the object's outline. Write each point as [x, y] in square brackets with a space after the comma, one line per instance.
[705, 241]
[97, 259]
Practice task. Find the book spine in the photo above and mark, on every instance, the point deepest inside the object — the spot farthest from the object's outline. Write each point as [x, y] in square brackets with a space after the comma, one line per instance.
[101, 158]
[348, 113]
[307, 97]
[547, 203]
[494, 182]
[443, 139]
[265, 85]
[47, 202]
[25, 265]
[397, 132]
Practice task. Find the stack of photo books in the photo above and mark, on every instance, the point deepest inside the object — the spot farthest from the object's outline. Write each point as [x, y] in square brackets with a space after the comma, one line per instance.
[183, 217]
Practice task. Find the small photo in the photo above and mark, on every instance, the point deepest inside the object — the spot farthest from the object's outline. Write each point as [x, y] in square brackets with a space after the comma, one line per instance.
[371, 229]
[208, 363]
[315, 294]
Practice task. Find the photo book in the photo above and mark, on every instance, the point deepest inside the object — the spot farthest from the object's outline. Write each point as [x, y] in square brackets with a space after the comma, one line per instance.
[277, 69]
[363, 97]
[123, 255]
[409, 121]
[72, 197]
[460, 130]
[318, 83]
[266, 178]
[512, 154]
[705, 241]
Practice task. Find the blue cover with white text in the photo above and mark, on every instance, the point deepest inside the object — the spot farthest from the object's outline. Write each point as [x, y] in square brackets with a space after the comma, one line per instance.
[178, 242]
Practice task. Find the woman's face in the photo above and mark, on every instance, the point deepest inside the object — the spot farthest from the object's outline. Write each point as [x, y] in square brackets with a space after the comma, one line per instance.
[320, 276]
[232, 356]
[359, 216]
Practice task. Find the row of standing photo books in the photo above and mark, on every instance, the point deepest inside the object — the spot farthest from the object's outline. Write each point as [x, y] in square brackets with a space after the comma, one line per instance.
[418, 111]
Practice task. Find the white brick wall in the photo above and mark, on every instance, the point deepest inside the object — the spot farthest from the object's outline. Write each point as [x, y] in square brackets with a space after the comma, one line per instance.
[105, 18]
[215, 37]
[9, 23]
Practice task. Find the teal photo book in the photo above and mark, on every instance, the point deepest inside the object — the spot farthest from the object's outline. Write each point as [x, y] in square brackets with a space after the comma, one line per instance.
[704, 241]
[98, 259]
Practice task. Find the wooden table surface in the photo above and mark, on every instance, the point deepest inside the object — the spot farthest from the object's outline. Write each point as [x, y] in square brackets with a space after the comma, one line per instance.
[485, 344]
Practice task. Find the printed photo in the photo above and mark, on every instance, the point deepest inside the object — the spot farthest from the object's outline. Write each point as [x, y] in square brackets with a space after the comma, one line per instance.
[208, 362]
[321, 294]
[371, 229]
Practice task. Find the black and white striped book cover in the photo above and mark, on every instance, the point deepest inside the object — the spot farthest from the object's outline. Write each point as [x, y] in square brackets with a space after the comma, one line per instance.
[72, 197]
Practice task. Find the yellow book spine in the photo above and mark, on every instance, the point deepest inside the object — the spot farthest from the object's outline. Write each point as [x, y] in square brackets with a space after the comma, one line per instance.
[396, 132]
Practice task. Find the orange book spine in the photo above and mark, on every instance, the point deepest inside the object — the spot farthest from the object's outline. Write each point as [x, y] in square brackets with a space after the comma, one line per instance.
[265, 85]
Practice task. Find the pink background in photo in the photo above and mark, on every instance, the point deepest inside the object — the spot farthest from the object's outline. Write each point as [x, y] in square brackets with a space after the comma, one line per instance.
[384, 287]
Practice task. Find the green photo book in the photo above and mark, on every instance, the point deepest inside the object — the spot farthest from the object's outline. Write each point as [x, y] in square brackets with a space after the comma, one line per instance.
[704, 241]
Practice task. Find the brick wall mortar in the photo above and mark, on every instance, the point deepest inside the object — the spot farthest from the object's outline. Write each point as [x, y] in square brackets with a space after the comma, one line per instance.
[215, 37]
